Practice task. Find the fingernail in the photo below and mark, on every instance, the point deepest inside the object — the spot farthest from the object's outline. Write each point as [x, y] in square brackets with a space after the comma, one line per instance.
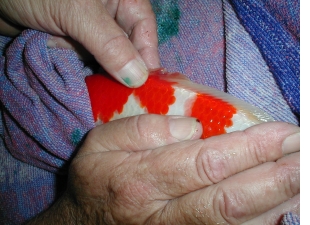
[51, 42]
[291, 144]
[183, 128]
[133, 74]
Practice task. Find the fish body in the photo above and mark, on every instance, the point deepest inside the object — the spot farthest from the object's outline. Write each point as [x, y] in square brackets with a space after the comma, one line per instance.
[172, 94]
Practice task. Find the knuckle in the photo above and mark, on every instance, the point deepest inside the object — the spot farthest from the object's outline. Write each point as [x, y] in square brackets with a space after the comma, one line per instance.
[116, 48]
[138, 129]
[140, 126]
[256, 147]
[228, 205]
[211, 166]
[151, 129]
[287, 179]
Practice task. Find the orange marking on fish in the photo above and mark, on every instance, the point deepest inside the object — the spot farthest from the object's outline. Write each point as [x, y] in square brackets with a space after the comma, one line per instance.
[214, 114]
[106, 95]
[156, 95]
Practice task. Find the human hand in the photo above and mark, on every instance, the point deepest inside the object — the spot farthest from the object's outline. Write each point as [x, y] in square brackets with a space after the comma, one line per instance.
[121, 35]
[139, 170]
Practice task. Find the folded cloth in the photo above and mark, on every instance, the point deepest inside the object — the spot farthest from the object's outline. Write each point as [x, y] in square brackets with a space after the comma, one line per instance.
[45, 111]
[248, 74]
[274, 27]
[46, 105]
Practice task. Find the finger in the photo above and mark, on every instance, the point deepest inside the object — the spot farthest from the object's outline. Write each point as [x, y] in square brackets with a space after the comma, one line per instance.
[193, 165]
[142, 132]
[244, 196]
[9, 29]
[91, 24]
[274, 216]
[138, 20]
[68, 43]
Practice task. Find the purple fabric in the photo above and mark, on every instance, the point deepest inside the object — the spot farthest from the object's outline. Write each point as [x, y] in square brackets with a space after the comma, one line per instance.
[278, 46]
[197, 49]
[45, 110]
[25, 190]
[290, 219]
[213, 48]
[248, 75]
[46, 104]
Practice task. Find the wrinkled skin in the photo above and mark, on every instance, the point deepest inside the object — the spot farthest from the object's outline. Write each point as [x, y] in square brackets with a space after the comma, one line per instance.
[115, 32]
[134, 171]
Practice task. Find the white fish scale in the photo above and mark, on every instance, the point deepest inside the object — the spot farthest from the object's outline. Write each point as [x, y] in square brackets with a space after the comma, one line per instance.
[240, 122]
[245, 117]
[183, 103]
[251, 112]
[186, 94]
[131, 108]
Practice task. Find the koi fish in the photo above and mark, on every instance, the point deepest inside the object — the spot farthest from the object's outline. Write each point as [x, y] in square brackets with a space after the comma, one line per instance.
[172, 94]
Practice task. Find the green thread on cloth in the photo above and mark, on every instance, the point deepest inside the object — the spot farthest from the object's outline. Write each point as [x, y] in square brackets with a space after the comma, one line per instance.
[76, 137]
[167, 18]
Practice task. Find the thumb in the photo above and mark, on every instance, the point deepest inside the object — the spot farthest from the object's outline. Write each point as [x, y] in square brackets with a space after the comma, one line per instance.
[141, 132]
[99, 33]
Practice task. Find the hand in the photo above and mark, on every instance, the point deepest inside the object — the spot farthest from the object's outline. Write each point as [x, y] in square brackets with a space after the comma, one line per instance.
[121, 35]
[153, 169]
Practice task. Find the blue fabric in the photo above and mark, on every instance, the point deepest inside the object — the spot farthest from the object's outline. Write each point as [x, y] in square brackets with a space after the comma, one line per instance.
[279, 49]
[247, 73]
[290, 219]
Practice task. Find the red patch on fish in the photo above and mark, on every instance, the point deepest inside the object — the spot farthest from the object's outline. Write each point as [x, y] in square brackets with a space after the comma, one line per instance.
[156, 95]
[172, 94]
[108, 96]
[215, 117]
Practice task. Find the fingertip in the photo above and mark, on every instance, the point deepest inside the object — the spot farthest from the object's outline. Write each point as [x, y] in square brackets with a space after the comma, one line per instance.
[282, 134]
[291, 143]
[185, 128]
